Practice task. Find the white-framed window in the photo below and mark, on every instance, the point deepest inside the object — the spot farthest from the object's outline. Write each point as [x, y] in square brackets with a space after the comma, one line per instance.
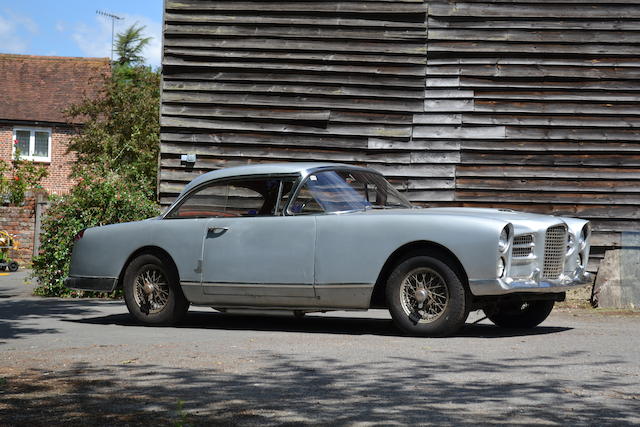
[34, 144]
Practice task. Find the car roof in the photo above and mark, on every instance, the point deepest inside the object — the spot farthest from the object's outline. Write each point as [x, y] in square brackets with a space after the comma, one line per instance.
[267, 169]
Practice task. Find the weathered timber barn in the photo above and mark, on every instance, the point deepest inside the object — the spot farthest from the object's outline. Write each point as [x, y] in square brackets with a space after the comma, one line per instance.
[527, 105]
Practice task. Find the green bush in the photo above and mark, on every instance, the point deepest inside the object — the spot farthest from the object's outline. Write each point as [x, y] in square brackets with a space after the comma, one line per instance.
[17, 178]
[92, 202]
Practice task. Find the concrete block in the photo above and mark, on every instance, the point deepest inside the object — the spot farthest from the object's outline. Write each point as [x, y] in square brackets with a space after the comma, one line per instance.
[618, 281]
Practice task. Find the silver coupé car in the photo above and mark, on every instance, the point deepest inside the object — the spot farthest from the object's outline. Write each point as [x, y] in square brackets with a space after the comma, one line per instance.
[308, 237]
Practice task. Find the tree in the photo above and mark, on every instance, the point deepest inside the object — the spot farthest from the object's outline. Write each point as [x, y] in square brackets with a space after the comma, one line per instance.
[121, 130]
[115, 173]
[129, 45]
[116, 170]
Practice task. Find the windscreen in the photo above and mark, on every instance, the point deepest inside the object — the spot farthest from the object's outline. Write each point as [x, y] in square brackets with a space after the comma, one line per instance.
[344, 190]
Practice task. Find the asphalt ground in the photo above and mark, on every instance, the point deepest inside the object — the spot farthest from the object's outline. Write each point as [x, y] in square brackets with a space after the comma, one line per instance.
[85, 362]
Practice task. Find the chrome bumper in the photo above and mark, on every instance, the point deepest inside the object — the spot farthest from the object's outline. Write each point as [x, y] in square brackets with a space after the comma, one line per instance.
[99, 284]
[533, 284]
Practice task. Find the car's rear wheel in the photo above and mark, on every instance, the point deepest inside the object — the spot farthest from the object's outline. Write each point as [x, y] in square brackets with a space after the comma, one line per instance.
[152, 291]
[426, 297]
[519, 314]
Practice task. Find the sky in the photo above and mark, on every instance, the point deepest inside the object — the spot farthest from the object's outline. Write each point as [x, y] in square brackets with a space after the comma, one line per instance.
[73, 28]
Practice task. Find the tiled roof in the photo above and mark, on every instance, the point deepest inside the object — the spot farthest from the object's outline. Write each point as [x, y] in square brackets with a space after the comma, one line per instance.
[40, 88]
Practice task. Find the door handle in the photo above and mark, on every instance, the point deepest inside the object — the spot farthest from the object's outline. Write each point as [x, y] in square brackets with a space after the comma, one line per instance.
[216, 229]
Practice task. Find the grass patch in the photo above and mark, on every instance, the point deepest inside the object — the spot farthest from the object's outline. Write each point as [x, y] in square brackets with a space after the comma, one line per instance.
[182, 415]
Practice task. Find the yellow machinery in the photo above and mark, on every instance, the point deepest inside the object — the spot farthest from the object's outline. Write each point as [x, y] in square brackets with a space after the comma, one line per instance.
[8, 244]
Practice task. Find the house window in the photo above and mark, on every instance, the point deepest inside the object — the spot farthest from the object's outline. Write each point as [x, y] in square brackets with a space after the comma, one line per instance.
[33, 144]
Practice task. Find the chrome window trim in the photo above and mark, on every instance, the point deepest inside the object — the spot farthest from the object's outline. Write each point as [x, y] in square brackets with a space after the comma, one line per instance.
[278, 198]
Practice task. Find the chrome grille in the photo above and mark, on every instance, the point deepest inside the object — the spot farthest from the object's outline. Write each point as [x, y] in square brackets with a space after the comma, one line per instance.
[521, 252]
[525, 239]
[522, 246]
[555, 246]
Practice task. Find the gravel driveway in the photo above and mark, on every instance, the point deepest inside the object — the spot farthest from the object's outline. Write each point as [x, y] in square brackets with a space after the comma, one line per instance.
[84, 362]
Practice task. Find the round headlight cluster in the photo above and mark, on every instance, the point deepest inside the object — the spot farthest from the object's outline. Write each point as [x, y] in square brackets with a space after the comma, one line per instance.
[503, 242]
[500, 268]
[584, 235]
[571, 241]
[581, 261]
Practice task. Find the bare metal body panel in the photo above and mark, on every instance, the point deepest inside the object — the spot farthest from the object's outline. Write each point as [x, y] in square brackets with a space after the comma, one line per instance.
[322, 261]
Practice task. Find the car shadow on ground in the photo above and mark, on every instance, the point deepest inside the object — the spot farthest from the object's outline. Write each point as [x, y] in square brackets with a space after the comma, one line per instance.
[312, 324]
[289, 389]
[18, 316]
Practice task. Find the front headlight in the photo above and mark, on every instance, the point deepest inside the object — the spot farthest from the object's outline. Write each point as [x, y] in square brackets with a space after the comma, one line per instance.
[503, 242]
[584, 235]
[500, 268]
[571, 241]
[581, 262]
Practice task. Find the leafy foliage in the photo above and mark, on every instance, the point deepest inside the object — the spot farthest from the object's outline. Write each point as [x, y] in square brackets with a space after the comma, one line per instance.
[17, 178]
[129, 45]
[116, 170]
[93, 201]
[121, 131]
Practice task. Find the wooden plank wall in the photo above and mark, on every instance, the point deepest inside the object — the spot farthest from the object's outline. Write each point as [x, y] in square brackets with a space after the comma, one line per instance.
[262, 81]
[531, 105]
[544, 99]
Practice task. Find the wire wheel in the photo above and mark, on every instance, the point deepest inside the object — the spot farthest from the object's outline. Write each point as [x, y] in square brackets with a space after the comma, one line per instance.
[151, 290]
[424, 295]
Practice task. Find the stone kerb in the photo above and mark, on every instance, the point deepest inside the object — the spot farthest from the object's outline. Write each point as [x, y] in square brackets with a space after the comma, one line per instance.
[618, 282]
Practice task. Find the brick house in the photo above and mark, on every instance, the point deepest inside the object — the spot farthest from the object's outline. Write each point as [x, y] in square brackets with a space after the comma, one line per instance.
[35, 91]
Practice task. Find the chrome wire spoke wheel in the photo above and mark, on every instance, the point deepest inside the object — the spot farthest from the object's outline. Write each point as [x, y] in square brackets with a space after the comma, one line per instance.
[151, 290]
[424, 295]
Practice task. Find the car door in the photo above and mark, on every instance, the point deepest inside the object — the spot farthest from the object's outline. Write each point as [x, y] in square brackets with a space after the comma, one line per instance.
[252, 255]
[347, 257]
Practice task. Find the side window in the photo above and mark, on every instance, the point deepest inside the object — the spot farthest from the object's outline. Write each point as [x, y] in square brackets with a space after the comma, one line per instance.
[254, 197]
[219, 200]
[305, 203]
[242, 201]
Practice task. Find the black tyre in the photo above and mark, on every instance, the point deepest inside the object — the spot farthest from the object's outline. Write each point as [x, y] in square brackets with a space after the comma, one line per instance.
[518, 314]
[152, 291]
[426, 297]
[13, 266]
[3, 267]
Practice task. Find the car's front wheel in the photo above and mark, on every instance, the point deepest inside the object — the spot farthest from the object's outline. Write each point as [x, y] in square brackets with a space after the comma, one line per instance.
[152, 291]
[519, 314]
[426, 297]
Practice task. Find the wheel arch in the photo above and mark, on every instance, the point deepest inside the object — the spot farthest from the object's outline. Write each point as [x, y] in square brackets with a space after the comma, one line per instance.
[421, 247]
[152, 250]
